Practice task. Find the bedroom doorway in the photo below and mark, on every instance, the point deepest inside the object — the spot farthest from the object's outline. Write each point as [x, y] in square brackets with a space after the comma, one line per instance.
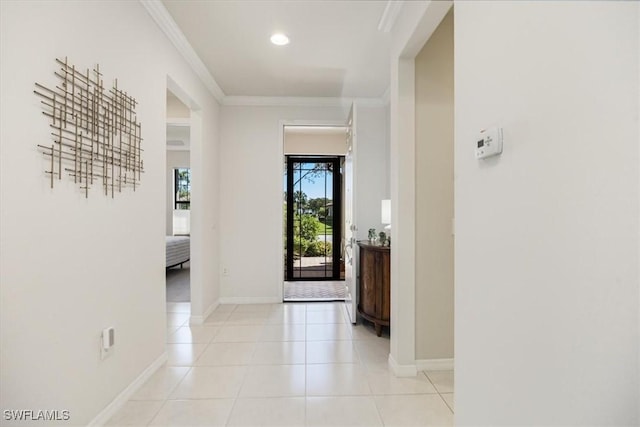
[178, 212]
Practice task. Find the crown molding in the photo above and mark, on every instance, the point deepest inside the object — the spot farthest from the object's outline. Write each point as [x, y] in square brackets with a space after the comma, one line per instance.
[299, 101]
[389, 16]
[165, 21]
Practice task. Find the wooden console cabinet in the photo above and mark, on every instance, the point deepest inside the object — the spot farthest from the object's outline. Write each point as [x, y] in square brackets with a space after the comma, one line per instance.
[374, 284]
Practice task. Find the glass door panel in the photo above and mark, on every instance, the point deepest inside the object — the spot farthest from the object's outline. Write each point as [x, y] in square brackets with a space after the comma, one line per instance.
[313, 218]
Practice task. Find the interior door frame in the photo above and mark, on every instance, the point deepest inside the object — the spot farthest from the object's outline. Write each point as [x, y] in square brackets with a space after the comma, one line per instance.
[337, 207]
[198, 268]
[278, 278]
[351, 276]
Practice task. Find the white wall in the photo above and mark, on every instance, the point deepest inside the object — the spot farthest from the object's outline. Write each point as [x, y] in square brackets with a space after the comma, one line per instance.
[372, 168]
[547, 234]
[387, 181]
[315, 143]
[205, 204]
[175, 159]
[434, 195]
[176, 109]
[251, 163]
[72, 266]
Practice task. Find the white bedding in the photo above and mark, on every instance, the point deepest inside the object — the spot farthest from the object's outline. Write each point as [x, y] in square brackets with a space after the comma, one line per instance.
[177, 250]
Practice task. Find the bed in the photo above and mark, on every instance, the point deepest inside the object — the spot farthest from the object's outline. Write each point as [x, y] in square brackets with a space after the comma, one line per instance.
[177, 250]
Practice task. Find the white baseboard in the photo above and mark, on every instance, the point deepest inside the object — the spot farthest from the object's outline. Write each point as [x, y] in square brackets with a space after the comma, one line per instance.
[401, 370]
[126, 394]
[250, 300]
[434, 364]
[199, 320]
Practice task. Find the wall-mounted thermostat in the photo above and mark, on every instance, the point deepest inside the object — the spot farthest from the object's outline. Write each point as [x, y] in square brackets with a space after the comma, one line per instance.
[489, 142]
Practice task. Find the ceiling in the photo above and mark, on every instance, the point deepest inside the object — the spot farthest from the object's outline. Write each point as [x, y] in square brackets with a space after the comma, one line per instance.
[336, 49]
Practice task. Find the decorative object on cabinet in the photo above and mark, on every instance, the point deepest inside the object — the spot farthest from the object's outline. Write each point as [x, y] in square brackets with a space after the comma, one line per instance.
[372, 235]
[96, 134]
[374, 285]
[382, 236]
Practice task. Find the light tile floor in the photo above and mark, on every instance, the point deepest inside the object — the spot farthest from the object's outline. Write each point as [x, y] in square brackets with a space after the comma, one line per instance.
[292, 364]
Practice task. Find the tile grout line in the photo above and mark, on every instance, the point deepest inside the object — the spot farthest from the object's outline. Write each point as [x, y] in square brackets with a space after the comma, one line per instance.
[357, 360]
[361, 363]
[155, 414]
[438, 391]
[366, 373]
[166, 399]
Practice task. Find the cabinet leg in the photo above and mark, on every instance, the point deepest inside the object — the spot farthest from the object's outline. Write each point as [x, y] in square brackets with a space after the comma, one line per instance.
[378, 329]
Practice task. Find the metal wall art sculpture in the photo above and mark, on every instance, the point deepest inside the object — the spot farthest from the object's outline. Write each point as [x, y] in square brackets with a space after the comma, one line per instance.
[96, 135]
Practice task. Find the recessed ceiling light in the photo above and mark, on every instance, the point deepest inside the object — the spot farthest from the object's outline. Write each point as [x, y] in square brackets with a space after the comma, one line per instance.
[279, 39]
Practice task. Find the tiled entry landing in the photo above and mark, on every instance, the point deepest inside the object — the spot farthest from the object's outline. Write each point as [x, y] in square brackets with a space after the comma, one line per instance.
[283, 365]
[314, 291]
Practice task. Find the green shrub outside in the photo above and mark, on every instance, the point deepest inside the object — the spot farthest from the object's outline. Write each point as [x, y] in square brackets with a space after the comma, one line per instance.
[318, 248]
[306, 226]
[300, 246]
[305, 231]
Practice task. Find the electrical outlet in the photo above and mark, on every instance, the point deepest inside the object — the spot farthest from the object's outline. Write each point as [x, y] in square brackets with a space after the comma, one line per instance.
[107, 341]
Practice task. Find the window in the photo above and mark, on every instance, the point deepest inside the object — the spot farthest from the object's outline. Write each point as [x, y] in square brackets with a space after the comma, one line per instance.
[182, 187]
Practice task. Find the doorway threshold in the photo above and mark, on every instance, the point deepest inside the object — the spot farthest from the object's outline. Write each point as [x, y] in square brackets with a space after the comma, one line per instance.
[330, 290]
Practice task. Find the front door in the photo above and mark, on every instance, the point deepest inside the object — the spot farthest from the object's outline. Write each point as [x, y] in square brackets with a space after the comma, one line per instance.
[313, 220]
